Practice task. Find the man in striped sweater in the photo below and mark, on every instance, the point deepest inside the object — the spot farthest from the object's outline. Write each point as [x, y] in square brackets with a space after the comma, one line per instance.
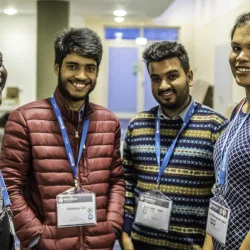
[169, 148]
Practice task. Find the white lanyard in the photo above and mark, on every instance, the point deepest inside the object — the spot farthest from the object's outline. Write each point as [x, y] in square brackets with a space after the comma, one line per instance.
[221, 178]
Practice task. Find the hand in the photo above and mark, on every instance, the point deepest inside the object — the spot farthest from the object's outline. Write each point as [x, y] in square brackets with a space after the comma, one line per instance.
[246, 243]
[208, 243]
[126, 242]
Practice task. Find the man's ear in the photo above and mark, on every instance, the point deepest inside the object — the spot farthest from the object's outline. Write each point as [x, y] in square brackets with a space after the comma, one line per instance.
[190, 76]
[56, 68]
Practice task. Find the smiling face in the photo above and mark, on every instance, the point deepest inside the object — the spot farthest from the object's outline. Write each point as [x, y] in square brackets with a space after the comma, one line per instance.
[239, 57]
[3, 76]
[76, 78]
[170, 85]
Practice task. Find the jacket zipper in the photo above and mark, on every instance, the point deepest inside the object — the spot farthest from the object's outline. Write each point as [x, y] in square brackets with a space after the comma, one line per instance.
[76, 135]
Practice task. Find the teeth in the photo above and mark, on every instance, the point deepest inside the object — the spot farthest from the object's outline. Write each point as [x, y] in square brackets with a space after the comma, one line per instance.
[79, 85]
[168, 93]
[243, 69]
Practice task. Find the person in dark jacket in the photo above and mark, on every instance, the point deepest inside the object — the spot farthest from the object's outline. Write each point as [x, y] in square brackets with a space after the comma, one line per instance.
[61, 158]
[3, 76]
[6, 238]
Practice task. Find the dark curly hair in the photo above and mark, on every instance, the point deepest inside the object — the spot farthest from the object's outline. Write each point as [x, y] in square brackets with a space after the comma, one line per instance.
[241, 20]
[164, 50]
[83, 41]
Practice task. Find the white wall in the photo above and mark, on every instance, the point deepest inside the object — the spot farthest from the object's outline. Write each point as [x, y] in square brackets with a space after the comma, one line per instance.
[18, 45]
[181, 14]
[76, 21]
[204, 26]
[204, 30]
[213, 22]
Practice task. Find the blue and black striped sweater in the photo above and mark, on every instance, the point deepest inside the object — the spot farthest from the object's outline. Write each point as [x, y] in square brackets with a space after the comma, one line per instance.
[187, 181]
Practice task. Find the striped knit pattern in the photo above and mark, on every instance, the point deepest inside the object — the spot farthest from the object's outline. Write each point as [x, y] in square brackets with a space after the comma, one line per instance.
[187, 181]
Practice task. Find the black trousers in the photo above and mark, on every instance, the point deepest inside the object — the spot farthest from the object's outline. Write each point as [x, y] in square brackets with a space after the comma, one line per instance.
[140, 246]
[6, 238]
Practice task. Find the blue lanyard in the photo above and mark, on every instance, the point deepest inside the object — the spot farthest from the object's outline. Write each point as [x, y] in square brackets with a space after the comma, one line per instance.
[6, 197]
[169, 153]
[66, 138]
[221, 178]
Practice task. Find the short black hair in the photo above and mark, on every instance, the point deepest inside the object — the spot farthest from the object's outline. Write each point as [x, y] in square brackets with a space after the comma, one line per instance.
[242, 20]
[164, 50]
[83, 41]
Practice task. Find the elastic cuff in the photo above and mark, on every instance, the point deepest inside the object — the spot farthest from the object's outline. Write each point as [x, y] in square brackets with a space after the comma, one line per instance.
[33, 243]
[117, 233]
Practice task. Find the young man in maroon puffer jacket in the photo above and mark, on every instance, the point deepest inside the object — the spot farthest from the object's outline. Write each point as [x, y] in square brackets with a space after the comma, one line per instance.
[39, 161]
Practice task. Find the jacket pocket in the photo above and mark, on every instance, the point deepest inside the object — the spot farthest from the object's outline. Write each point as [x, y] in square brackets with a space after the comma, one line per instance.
[46, 234]
[99, 236]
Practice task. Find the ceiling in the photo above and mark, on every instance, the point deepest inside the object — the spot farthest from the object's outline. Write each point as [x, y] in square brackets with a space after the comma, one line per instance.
[89, 9]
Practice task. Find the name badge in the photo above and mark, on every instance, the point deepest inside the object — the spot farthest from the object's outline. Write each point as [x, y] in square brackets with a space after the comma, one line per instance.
[76, 207]
[154, 210]
[217, 221]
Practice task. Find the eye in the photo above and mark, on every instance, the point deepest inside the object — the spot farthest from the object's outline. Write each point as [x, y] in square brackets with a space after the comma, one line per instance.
[71, 66]
[155, 80]
[236, 48]
[91, 69]
[172, 77]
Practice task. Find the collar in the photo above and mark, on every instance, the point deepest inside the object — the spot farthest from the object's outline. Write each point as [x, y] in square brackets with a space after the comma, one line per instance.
[81, 113]
[71, 115]
[182, 115]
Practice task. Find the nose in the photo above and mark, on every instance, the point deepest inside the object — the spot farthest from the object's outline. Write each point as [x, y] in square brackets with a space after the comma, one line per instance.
[243, 56]
[164, 84]
[81, 75]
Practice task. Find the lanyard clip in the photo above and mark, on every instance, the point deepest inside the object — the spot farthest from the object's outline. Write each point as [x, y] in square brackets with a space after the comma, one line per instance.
[157, 185]
[76, 183]
[217, 189]
[220, 189]
[213, 189]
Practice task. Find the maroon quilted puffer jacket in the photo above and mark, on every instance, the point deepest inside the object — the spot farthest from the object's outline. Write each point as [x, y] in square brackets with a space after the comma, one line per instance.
[36, 169]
